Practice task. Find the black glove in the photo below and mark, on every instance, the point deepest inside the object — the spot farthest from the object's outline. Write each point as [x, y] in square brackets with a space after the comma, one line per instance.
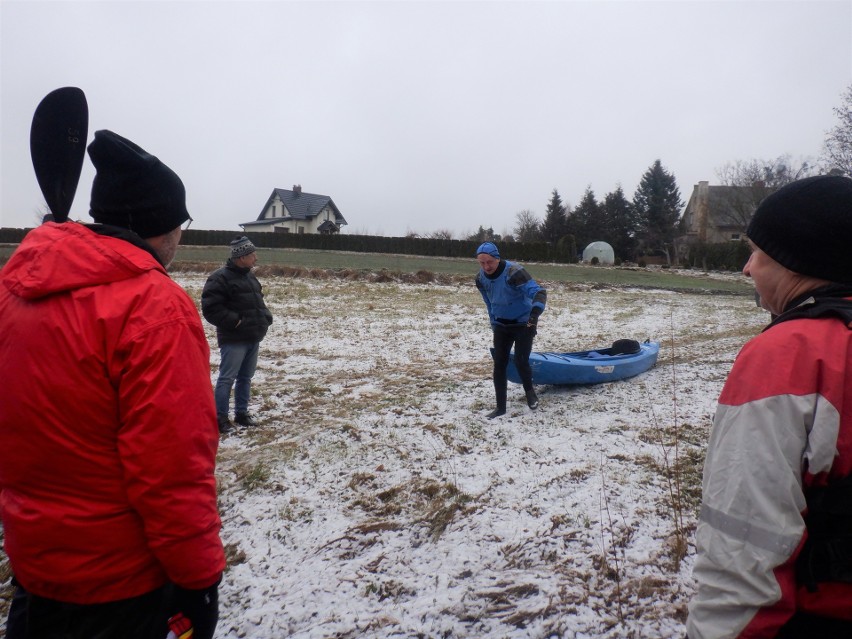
[201, 607]
[532, 322]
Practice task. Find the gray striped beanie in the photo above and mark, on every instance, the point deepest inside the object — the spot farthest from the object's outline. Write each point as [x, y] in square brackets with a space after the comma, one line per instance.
[241, 246]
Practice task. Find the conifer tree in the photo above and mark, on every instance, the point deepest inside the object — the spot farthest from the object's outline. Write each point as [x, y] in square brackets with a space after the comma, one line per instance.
[484, 235]
[621, 224]
[658, 206]
[586, 222]
[553, 226]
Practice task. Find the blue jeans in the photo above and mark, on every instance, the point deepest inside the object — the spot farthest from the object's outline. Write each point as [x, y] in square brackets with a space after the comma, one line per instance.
[239, 362]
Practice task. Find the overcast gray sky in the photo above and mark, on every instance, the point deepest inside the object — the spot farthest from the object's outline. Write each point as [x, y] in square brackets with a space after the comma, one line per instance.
[422, 116]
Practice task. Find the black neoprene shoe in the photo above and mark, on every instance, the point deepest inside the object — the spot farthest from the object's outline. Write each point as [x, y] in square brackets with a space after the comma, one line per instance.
[532, 399]
[497, 412]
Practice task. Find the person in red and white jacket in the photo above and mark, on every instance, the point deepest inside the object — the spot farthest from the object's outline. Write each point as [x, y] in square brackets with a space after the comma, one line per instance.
[108, 431]
[774, 538]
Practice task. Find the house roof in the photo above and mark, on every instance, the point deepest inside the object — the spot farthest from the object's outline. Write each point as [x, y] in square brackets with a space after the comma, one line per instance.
[300, 206]
[727, 206]
[723, 198]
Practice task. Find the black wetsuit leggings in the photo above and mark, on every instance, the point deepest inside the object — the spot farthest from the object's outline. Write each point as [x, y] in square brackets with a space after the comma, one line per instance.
[505, 336]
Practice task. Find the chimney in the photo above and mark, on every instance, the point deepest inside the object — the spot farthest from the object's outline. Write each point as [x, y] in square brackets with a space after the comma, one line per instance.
[702, 209]
[297, 189]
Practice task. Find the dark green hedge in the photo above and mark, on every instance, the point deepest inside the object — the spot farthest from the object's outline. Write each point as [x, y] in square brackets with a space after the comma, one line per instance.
[12, 236]
[565, 251]
[530, 252]
[725, 256]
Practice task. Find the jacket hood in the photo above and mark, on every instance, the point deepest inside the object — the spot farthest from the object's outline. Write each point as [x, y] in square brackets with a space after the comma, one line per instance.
[54, 258]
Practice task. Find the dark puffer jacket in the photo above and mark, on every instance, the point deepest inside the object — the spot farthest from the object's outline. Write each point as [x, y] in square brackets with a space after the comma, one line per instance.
[232, 300]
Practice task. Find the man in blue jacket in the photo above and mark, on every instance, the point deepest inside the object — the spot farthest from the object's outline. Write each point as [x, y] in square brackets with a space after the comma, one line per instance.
[514, 301]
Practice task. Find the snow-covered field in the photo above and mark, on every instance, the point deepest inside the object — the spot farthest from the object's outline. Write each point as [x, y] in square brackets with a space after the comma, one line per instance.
[375, 500]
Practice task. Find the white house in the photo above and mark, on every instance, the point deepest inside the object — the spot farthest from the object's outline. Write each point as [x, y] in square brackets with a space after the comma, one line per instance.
[296, 212]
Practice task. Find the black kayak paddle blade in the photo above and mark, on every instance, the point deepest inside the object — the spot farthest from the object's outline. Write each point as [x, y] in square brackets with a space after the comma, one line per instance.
[58, 147]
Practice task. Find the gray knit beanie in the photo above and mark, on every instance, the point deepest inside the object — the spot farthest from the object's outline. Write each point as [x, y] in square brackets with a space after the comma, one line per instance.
[241, 246]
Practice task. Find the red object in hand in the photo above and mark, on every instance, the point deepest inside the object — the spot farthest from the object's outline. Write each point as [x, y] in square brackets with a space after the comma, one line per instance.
[180, 627]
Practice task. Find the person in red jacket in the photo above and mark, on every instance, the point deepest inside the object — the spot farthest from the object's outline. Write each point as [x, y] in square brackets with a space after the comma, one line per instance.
[774, 538]
[108, 431]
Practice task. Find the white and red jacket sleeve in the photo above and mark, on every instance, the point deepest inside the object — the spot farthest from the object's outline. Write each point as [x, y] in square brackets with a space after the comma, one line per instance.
[784, 421]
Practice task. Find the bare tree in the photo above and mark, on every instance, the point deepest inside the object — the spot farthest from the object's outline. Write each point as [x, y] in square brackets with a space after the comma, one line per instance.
[837, 147]
[527, 227]
[442, 234]
[753, 180]
[42, 214]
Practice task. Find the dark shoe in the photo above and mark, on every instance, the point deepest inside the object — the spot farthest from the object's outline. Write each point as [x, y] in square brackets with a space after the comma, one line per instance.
[225, 425]
[496, 413]
[532, 399]
[244, 419]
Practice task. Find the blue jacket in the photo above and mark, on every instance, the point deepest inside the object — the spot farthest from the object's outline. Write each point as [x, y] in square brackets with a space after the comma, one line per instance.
[510, 294]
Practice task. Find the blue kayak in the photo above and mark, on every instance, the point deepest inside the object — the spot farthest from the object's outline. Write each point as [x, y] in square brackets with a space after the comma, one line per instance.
[625, 358]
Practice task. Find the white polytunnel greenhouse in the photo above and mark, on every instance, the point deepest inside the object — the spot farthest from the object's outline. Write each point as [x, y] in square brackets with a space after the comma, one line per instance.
[600, 250]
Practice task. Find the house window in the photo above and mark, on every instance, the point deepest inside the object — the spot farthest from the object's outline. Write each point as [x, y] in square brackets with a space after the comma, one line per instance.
[301, 230]
[735, 236]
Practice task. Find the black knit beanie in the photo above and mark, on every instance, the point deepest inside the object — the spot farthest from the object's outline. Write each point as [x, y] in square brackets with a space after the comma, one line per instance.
[806, 226]
[133, 189]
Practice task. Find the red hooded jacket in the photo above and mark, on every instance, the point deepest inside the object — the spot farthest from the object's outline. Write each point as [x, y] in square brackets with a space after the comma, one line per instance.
[108, 431]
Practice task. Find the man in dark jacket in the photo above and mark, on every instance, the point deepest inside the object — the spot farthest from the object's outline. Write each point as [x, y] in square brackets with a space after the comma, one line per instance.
[232, 301]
